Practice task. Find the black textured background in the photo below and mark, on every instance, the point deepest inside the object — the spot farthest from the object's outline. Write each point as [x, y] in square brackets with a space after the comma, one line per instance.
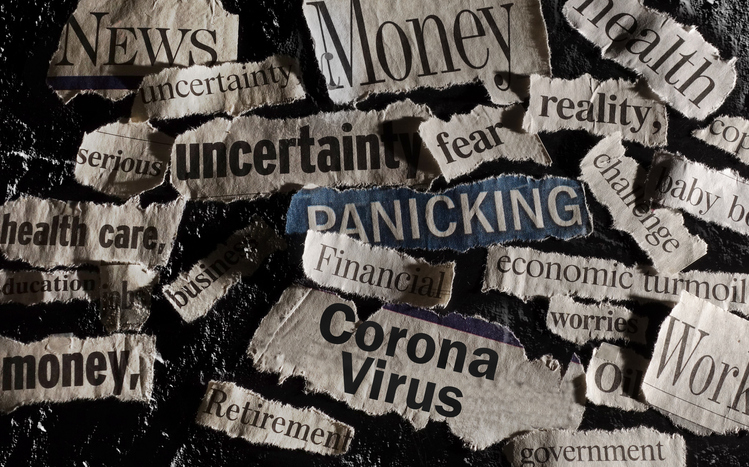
[39, 137]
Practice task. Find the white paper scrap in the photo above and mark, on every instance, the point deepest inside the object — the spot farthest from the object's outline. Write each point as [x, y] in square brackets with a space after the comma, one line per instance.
[49, 233]
[365, 48]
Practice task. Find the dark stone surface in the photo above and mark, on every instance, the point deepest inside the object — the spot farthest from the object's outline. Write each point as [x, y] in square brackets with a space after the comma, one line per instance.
[39, 137]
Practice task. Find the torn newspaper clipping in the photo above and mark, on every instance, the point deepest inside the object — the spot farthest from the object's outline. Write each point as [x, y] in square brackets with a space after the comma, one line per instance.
[626, 448]
[253, 156]
[34, 287]
[125, 296]
[370, 47]
[599, 107]
[241, 413]
[195, 292]
[470, 373]
[721, 197]
[614, 378]
[123, 159]
[495, 210]
[526, 273]
[618, 182]
[123, 291]
[730, 134]
[679, 65]
[700, 366]
[62, 369]
[231, 88]
[486, 134]
[108, 48]
[339, 261]
[49, 233]
[581, 323]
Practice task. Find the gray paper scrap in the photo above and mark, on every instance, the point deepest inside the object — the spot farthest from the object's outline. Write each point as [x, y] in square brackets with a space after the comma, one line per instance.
[721, 197]
[526, 273]
[241, 413]
[618, 182]
[581, 323]
[730, 134]
[52, 370]
[123, 159]
[108, 47]
[195, 292]
[636, 447]
[700, 367]
[679, 65]
[231, 88]
[49, 233]
[467, 141]
[365, 48]
[122, 291]
[470, 373]
[254, 156]
[614, 378]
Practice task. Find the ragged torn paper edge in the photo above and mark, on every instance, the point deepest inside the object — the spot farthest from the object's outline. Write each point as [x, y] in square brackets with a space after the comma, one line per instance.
[308, 417]
[193, 183]
[530, 53]
[128, 308]
[523, 449]
[90, 248]
[700, 367]
[614, 378]
[722, 184]
[504, 126]
[607, 319]
[431, 237]
[721, 138]
[208, 100]
[117, 144]
[377, 259]
[250, 246]
[613, 184]
[604, 118]
[631, 283]
[120, 80]
[123, 292]
[648, 16]
[139, 367]
[289, 319]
